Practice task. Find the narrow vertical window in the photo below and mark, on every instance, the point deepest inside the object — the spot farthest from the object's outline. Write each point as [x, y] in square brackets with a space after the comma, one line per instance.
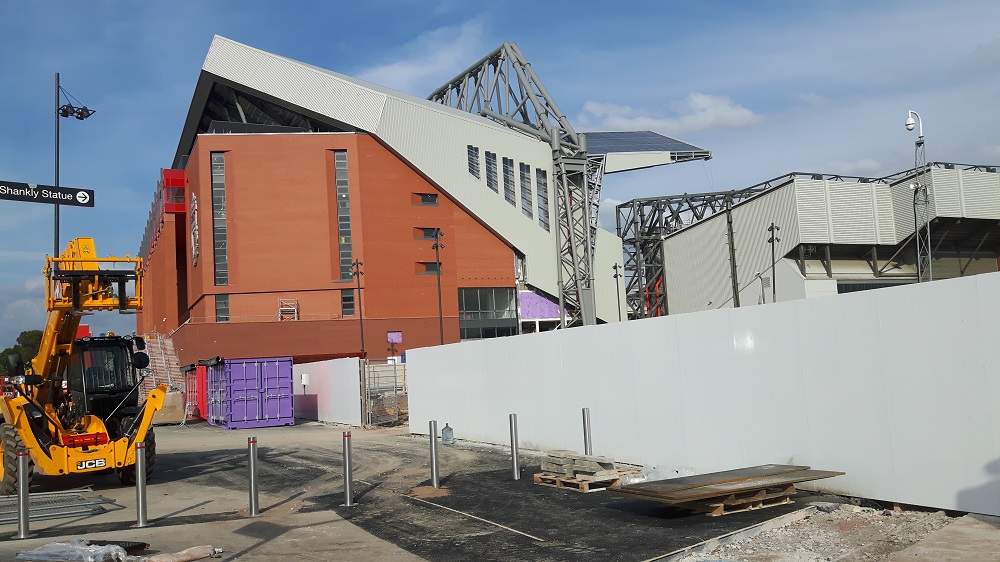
[508, 181]
[219, 234]
[541, 182]
[347, 302]
[491, 171]
[474, 160]
[525, 177]
[222, 308]
[343, 215]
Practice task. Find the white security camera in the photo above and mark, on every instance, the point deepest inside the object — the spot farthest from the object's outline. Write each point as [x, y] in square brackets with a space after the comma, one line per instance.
[910, 123]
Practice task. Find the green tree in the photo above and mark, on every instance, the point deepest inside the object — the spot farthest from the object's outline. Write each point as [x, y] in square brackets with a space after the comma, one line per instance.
[27, 345]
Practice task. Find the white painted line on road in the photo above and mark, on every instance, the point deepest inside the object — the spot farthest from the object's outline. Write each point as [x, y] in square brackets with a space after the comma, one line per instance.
[477, 518]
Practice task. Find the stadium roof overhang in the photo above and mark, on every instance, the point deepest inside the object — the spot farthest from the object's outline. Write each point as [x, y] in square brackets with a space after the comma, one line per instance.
[635, 150]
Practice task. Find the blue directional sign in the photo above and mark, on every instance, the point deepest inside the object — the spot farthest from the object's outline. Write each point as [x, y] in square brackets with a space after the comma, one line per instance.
[34, 193]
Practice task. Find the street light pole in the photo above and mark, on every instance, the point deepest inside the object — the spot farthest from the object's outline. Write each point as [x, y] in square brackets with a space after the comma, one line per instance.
[437, 259]
[361, 313]
[921, 201]
[773, 229]
[616, 267]
[64, 110]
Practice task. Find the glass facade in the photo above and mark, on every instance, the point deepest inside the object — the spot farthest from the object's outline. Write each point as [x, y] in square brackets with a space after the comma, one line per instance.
[487, 312]
[491, 171]
[222, 308]
[541, 182]
[347, 302]
[343, 215]
[474, 160]
[525, 177]
[508, 181]
[219, 234]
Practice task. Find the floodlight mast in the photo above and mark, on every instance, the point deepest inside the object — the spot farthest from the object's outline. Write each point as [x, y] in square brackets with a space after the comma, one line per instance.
[503, 87]
[921, 202]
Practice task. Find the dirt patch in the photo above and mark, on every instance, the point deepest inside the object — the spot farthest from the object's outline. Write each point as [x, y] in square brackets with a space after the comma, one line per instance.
[428, 492]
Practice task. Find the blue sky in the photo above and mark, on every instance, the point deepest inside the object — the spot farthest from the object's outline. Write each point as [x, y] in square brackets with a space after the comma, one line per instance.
[769, 86]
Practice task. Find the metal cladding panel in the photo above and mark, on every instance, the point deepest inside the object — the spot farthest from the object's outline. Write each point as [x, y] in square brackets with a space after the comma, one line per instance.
[436, 143]
[980, 194]
[946, 192]
[885, 225]
[607, 253]
[623, 161]
[852, 212]
[308, 87]
[902, 209]
[813, 211]
[696, 268]
[697, 259]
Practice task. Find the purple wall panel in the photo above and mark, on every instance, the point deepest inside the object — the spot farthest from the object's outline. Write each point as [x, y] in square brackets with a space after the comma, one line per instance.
[537, 307]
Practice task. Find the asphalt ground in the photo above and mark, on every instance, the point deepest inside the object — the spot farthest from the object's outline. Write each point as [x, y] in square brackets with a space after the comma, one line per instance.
[199, 495]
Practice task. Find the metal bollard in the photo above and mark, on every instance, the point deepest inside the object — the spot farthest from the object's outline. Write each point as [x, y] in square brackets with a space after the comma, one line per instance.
[348, 472]
[140, 485]
[254, 495]
[434, 455]
[588, 446]
[23, 499]
[515, 465]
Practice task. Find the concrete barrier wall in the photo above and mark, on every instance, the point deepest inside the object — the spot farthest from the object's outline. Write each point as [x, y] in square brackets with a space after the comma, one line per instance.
[333, 393]
[899, 387]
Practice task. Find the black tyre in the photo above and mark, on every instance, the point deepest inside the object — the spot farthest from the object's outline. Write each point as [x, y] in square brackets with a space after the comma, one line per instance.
[127, 473]
[10, 444]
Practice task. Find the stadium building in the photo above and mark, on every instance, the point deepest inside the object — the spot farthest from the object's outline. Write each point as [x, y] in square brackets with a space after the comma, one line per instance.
[315, 215]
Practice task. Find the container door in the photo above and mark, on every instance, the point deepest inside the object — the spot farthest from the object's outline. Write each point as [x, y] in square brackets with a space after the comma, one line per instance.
[216, 395]
[202, 391]
[244, 391]
[276, 389]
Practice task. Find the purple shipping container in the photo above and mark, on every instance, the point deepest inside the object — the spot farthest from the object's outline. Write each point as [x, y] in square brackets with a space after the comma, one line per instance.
[245, 393]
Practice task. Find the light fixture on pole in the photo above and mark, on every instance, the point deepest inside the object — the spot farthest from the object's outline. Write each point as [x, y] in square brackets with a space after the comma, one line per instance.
[361, 313]
[438, 246]
[616, 267]
[760, 280]
[921, 201]
[64, 110]
[773, 229]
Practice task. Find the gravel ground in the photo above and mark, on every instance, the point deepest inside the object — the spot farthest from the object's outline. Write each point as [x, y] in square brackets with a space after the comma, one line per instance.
[838, 532]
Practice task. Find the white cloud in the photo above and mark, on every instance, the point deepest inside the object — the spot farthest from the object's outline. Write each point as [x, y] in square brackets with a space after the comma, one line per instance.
[696, 112]
[865, 167]
[431, 59]
[607, 214]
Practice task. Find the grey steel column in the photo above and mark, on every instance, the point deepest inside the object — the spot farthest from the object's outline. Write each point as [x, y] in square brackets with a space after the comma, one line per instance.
[588, 447]
[140, 485]
[254, 496]
[514, 464]
[434, 454]
[348, 472]
[23, 500]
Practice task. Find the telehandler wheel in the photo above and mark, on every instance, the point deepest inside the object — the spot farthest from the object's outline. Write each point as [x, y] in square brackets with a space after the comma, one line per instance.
[127, 473]
[10, 443]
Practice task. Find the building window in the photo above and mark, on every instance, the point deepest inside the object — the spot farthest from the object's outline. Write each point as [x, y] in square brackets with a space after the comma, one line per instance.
[343, 215]
[347, 302]
[487, 312]
[428, 268]
[424, 233]
[474, 160]
[429, 199]
[541, 182]
[508, 181]
[491, 172]
[222, 308]
[525, 189]
[219, 234]
[520, 267]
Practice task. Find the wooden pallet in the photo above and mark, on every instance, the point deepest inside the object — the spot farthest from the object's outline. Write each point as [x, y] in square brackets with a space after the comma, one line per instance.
[580, 483]
[735, 503]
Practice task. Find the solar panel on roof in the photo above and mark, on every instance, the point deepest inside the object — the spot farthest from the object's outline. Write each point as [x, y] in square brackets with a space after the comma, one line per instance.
[635, 141]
